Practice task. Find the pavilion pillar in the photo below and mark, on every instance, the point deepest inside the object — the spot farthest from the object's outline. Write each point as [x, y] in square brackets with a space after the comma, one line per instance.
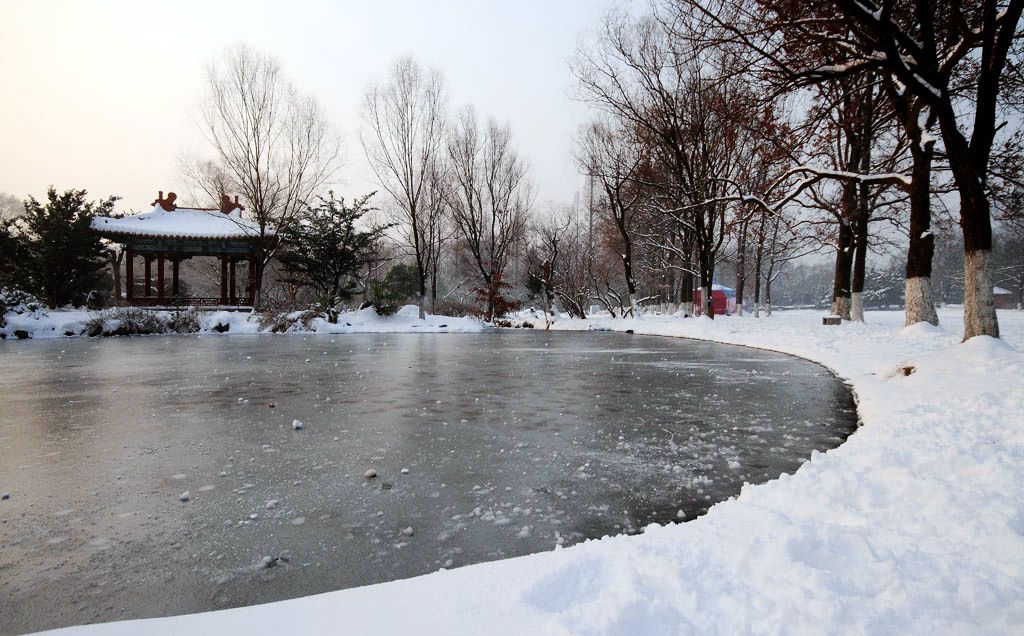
[129, 274]
[231, 293]
[252, 281]
[160, 278]
[174, 277]
[148, 287]
[223, 280]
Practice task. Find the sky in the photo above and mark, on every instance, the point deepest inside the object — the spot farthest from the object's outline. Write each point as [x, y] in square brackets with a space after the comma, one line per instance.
[103, 95]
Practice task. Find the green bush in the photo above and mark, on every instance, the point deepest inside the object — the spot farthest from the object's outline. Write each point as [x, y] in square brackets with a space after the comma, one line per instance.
[384, 300]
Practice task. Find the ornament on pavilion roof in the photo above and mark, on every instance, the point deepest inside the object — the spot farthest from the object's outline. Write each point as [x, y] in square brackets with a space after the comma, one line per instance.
[169, 220]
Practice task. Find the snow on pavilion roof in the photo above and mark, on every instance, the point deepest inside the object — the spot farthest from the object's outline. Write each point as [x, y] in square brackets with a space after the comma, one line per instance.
[182, 223]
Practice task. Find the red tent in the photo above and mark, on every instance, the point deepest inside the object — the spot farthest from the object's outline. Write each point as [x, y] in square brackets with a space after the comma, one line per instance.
[719, 301]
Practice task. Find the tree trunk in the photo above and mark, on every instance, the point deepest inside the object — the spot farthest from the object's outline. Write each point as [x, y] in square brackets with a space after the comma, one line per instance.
[433, 291]
[741, 266]
[976, 222]
[707, 275]
[546, 292]
[841, 285]
[917, 297]
[758, 258]
[686, 286]
[421, 297]
[979, 302]
[859, 268]
[863, 202]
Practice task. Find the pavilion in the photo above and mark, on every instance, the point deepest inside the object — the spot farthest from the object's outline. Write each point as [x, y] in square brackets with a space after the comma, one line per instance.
[172, 233]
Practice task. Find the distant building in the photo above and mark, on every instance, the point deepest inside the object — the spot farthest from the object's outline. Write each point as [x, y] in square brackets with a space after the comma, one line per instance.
[1003, 298]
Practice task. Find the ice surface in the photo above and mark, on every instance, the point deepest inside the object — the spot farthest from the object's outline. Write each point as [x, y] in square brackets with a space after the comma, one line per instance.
[914, 526]
[483, 453]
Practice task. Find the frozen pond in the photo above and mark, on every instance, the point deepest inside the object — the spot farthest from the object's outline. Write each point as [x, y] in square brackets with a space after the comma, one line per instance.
[485, 446]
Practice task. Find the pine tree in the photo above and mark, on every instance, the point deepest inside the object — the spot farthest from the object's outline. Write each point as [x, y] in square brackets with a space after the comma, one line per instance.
[61, 257]
[326, 249]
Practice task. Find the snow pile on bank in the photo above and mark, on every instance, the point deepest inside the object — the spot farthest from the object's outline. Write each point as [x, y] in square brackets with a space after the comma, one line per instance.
[44, 323]
[914, 525]
[66, 323]
[404, 320]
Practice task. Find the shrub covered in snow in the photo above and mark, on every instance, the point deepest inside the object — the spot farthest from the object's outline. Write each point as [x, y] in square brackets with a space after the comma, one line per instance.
[19, 302]
[298, 320]
[185, 321]
[131, 321]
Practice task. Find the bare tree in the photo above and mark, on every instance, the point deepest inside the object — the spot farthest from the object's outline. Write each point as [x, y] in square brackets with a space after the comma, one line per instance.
[272, 145]
[689, 108]
[489, 194]
[954, 62]
[403, 136]
[543, 256]
[614, 157]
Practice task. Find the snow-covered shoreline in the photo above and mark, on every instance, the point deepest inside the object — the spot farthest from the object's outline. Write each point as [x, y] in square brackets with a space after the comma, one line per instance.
[914, 525]
[73, 323]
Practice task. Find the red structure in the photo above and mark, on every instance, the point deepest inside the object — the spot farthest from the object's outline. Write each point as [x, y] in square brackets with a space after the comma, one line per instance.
[174, 234]
[1003, 298]
[723, 300]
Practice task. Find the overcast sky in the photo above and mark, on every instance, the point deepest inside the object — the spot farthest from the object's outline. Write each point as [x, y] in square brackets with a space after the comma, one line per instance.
[103, 95]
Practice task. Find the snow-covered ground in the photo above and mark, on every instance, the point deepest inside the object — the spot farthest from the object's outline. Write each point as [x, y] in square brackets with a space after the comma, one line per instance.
[914, 525]
[72, 322]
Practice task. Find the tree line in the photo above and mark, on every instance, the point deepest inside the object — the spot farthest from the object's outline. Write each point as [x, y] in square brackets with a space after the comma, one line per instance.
[726, 141]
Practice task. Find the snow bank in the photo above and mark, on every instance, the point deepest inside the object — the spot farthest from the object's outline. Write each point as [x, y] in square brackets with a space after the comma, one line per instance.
[45, 324]
[62, 323]
[914, 525]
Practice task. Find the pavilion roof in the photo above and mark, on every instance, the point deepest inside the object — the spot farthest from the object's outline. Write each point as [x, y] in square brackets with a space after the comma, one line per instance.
[182, 223]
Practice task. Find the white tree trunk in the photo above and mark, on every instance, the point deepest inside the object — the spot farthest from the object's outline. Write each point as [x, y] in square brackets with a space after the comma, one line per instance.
[979, 302]
[768, 309]
[841, 307]
[634, 307]
[757, 310]
[687, 308]
[857, 306]
[917, 297]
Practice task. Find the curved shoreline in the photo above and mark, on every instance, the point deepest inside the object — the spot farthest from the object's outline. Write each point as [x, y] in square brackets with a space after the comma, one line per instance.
[668, 393]
[806, 358]
[908, 525]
